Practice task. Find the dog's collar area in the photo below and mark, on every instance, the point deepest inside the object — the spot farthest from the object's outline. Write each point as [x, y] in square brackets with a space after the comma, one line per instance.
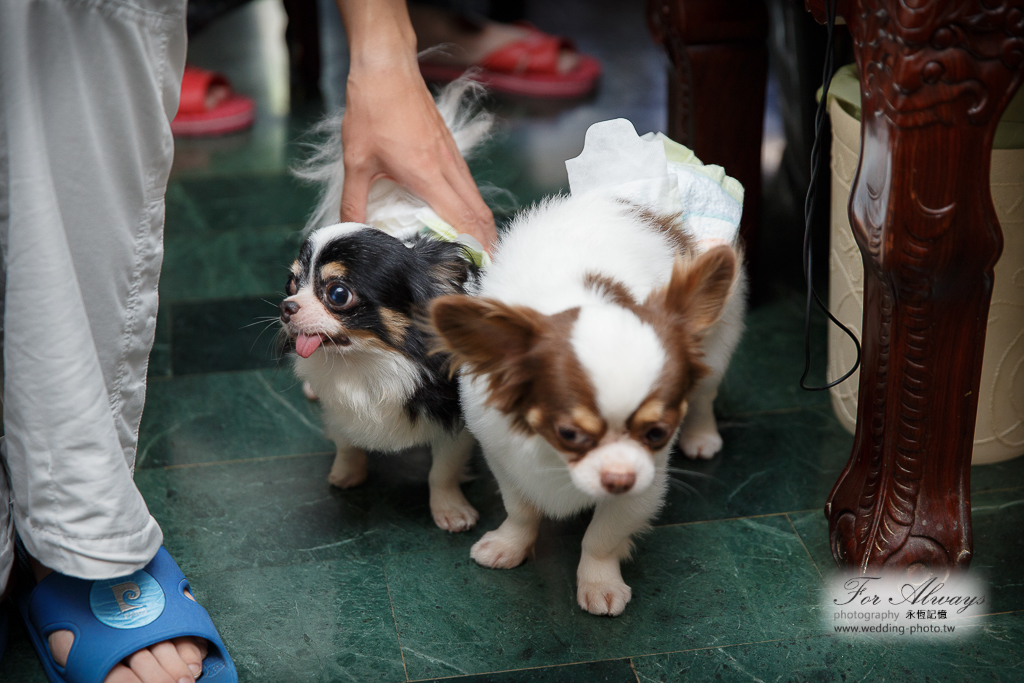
[436, 228]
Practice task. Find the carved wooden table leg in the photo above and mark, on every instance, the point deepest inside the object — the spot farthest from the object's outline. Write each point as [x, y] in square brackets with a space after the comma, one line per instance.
[935, 77]
[717, 87]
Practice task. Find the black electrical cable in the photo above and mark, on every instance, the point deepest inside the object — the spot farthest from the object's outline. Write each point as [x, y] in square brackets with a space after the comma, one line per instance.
[817, 150]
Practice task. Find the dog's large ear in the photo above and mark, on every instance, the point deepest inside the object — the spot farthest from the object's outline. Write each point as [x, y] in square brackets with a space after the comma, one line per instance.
[699, 288]
[446, 263]
[484, 334]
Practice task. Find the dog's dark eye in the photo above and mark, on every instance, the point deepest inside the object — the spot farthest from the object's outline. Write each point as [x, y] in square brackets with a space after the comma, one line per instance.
[292, 287]
[573, 437]
[655, 435]
[339, 295]
[569, 435]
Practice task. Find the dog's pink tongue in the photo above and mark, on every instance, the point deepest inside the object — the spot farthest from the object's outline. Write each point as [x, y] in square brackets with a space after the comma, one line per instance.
[306, 344]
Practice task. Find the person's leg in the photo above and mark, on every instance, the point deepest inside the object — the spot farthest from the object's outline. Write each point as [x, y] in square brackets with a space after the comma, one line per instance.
[6, 536]
[87, 91]
[6, 518]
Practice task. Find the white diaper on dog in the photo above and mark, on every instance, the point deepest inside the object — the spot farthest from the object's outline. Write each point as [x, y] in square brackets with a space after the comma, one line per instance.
[656, 171]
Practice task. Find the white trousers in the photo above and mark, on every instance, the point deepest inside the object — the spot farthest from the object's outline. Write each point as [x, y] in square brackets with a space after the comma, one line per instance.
[87, 91]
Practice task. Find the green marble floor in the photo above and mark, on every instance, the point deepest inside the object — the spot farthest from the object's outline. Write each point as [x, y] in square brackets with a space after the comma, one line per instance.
[310, 583]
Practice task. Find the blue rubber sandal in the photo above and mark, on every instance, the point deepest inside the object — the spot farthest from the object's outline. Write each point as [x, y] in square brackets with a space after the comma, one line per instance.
[112, 618]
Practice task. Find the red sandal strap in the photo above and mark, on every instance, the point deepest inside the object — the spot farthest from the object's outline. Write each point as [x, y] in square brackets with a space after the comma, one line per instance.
[534, 53]
[567, 43]
[195, 87]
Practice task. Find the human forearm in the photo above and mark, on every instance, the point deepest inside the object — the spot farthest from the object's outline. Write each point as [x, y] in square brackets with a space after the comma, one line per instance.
[378, 31]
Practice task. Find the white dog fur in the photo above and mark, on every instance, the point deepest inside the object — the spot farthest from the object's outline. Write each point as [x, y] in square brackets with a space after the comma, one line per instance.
[542, 263]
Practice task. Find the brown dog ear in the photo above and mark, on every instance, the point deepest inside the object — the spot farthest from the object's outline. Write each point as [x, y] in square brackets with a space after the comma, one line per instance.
[699, 288]
[484, 334]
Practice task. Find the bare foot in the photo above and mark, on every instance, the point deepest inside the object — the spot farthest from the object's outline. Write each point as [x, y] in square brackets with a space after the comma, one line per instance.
[179, 660]
[472, 41]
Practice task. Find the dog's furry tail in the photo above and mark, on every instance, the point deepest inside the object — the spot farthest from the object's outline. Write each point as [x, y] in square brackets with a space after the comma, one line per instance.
[458, 104]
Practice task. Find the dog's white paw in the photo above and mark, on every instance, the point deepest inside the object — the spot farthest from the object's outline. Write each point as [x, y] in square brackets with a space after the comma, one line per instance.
[452, 512]
[307, 391]
[348, 470]
[702, 444]
[498, 551]
[347, 479]
[604, 598]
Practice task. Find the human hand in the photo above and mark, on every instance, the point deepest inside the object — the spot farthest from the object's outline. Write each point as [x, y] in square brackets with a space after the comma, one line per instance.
[392, 129]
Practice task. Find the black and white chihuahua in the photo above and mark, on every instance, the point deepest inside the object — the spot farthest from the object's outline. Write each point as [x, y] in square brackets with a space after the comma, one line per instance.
[354, 296]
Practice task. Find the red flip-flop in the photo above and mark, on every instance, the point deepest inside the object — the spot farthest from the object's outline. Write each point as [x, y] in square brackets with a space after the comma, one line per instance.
[234, 113]
[528, 66]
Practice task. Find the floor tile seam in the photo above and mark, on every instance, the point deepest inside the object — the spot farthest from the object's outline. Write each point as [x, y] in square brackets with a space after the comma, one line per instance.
[182, 233]
[242, 461]
[777, 411]
[221, 175]
[628, 658]
[394, 618]
[185, 375]
[524, 668]
[170, 345]
[165, 379]
[169, 302]
[266, 297]
[402, 553]
[806, 550]
[188, 206]
[652, 654]
[1002, 490]
[632, 668]
[995, 614]
[733, 519]
[731, 645]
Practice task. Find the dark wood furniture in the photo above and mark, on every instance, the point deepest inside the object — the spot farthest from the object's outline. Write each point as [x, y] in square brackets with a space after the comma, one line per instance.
[719, 70]
[935, 77]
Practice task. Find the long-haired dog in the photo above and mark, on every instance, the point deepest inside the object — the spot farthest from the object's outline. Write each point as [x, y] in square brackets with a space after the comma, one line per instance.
[353, 297]
[600, 335]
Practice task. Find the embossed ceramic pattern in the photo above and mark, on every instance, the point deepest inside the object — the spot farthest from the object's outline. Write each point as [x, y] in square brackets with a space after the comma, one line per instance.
[999, 433]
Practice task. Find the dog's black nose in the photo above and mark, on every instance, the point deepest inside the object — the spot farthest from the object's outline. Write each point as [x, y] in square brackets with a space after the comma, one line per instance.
[288, 309]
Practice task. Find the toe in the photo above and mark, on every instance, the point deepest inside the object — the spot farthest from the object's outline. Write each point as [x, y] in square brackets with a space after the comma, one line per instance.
[121, 674]
[601, 600]
[192, 651]
[451, 510]
[701, 445]
[60, 646]
[456, 519]
[496, 552]
[167, 656]
[145, 665]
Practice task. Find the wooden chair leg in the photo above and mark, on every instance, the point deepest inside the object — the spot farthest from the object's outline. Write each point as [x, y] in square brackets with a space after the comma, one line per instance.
[717, 81]
[933, 86]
